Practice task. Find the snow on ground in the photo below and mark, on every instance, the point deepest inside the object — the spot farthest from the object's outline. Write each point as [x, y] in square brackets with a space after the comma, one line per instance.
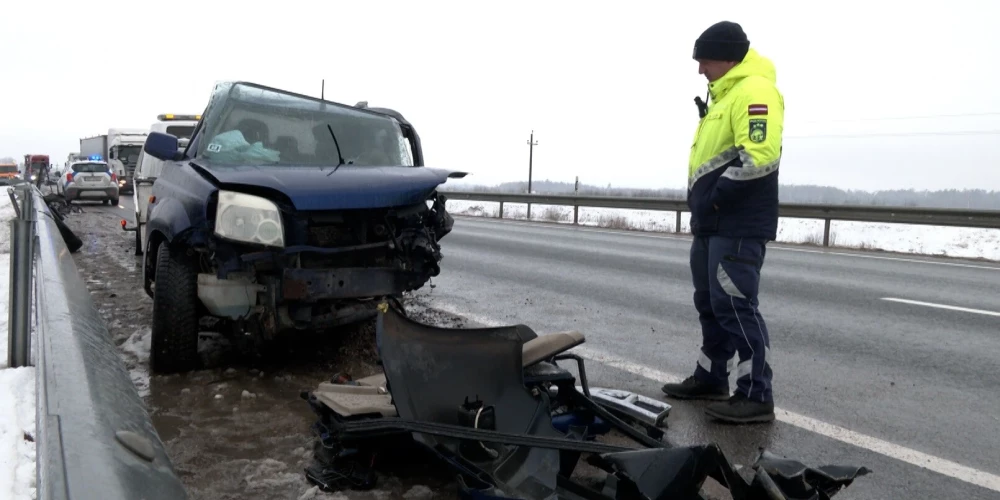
[137, 347]
[905, 238]
[17, 390]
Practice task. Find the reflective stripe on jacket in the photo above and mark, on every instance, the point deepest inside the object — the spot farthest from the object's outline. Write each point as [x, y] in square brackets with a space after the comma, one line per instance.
[733, 168]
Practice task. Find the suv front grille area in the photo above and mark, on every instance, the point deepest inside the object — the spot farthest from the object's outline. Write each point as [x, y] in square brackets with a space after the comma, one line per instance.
[339, 230]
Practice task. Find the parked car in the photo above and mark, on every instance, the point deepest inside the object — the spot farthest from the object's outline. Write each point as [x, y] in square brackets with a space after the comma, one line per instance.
[284, 213]
[89, 180]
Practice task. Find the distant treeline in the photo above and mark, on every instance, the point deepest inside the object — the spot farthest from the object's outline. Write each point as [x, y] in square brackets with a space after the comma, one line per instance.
[824, 195]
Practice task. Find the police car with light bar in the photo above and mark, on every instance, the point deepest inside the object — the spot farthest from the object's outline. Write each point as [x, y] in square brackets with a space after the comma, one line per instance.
[90, 179]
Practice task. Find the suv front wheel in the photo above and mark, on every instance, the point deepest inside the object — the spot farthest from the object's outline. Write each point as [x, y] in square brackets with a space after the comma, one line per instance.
[175, 312]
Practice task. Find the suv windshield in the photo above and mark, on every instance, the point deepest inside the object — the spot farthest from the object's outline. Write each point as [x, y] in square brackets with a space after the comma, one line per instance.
[248, 125]
[90, 167]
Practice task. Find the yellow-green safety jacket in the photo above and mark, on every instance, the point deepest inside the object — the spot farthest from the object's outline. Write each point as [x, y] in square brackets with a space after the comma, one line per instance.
[733, 167]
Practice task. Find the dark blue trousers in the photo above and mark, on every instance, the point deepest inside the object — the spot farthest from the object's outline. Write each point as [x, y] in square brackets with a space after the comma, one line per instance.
[726, 273]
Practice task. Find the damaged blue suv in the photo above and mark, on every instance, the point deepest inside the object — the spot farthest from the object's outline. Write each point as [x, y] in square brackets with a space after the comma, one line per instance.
[285, 212]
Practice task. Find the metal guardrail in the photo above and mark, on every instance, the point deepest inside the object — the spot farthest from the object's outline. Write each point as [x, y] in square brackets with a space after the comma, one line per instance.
[897, 215]
[22, 251]
[94, 439]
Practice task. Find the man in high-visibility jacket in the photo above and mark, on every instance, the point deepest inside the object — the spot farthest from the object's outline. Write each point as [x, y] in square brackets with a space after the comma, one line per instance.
[733, 198]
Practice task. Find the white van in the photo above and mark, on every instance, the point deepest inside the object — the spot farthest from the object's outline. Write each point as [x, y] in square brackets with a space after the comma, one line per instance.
[148, 168]
[179, 126]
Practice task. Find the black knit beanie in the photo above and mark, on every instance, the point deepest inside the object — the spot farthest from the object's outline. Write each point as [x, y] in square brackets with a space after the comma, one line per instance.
[723, 41]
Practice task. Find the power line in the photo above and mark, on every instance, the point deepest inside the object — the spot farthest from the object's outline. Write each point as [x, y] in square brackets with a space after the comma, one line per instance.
[912, 117]
[893, 134]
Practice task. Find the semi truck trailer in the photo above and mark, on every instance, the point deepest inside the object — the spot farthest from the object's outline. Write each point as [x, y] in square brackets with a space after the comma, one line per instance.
[120, 148]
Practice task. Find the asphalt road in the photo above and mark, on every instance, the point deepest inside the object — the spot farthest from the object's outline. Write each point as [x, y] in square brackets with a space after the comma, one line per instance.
[909, 377]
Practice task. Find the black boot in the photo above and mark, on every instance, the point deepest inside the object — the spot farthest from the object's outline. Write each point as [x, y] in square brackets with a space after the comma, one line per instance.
[692, 388]
[740, 410]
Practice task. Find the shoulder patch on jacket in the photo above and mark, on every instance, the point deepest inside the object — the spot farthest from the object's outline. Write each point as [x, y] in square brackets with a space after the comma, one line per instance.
[757, 109]
[758, 130]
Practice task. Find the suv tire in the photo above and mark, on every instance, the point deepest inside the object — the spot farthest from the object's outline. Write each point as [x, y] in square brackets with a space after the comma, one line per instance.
[175, 313]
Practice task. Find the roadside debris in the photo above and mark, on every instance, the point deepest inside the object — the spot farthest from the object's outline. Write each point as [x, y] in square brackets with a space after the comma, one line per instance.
[494, 406]
[59, 209]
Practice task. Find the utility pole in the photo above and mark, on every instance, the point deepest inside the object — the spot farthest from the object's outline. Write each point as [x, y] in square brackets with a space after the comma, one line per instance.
[531, 153]
[322, 89]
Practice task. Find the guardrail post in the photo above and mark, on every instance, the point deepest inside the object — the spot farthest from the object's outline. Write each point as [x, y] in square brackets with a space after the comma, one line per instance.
[576, 214]
[22, 231]
[677, 224]
[501, 210]
[826, 232]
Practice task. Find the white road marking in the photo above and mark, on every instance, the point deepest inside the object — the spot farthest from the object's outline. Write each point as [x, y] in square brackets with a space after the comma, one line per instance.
[637, 234]
[847, 436]
[897, 259]
[449, 308]
[942, 306]
[918, 458]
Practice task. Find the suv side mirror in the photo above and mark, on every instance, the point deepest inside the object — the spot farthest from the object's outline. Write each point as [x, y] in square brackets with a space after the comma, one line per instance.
[161, 146]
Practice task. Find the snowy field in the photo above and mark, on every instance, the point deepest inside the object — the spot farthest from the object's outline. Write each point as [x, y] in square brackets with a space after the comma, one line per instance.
[17, 390]
[905, 238]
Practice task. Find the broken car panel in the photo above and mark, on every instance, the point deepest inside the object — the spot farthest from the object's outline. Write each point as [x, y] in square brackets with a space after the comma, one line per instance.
[285, 212]
[476, 400]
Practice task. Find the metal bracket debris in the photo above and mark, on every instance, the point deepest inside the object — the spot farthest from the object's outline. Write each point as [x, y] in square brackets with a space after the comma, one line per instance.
[647, 410]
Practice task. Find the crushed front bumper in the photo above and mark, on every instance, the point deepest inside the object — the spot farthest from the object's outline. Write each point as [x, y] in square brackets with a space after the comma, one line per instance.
[310, 285]
[494, 404]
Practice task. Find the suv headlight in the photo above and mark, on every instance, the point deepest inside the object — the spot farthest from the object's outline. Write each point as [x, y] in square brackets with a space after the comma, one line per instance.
[249, 218]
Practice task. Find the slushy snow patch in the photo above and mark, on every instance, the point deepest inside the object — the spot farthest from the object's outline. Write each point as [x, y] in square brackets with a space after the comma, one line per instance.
[17, 390]
[137, 347]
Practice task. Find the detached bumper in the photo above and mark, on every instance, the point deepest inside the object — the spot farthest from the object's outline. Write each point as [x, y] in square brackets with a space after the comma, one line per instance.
[323, 284]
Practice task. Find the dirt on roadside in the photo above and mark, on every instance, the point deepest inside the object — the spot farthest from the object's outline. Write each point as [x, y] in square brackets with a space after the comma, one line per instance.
[239, 428]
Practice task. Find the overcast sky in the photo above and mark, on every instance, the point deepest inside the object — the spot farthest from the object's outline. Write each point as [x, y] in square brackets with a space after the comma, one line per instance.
[607, 87]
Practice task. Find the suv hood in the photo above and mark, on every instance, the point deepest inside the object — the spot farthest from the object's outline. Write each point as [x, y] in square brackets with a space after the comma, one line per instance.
[350, 187]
